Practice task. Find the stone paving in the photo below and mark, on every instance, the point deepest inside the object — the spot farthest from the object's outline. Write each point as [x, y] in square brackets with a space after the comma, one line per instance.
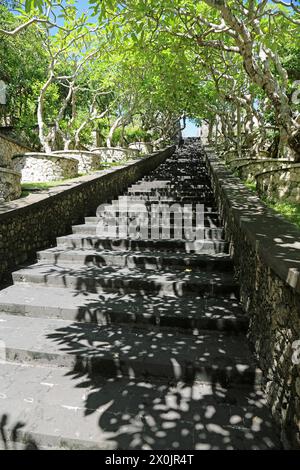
[134, 338]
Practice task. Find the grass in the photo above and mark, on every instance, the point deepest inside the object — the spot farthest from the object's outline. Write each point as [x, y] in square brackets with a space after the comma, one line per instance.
[287, 209]
[250, 185]
[27, 187]
[290, 211]
[106, 165]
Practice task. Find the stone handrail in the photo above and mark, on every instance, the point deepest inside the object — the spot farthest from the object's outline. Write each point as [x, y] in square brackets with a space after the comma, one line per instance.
[280, 183]
[275, 239]
[266, 253]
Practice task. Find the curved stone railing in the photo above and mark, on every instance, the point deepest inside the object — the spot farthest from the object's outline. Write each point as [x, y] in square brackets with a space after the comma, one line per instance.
[237, 162]
[10, 147]
[266, 251]
[248, 168]
[143, 147]
[10, 184]
[115, 154]
[43, 167]
[87, 161]
[281, 183]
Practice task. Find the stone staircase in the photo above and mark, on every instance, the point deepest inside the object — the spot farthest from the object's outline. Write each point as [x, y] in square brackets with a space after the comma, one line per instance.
[134, 339]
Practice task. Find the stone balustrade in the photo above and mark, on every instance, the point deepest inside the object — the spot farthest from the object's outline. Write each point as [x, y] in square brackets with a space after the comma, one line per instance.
[8, 148]
[266, 251]
[281, 184]
[247, 168]
[43, 167]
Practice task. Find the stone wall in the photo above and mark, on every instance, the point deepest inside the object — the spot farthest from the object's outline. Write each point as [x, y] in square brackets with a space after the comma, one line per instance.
[248, 168]
[266, 251]
[143, 147]
[8, 148]
[282, 184]
[41, 167]
[115, 154]
[10, 184]
[87, 161]
[33, 223]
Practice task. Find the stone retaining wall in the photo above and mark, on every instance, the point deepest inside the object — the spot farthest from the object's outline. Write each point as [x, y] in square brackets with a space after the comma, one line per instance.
[115, 154]
[42, 167]
[87, 161]
[282, 184]
[143, 147]
[10, 184]
[266, 251]
[8, 148]
[248, 168]
[33, 223]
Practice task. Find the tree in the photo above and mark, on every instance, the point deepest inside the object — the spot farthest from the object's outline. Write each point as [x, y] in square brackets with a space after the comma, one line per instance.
[253, 30]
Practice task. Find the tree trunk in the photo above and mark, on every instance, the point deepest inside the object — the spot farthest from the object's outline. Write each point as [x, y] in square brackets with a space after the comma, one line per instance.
[115, 125]
[44, 140]
[294, 143]
[239, 130]
[210, 131]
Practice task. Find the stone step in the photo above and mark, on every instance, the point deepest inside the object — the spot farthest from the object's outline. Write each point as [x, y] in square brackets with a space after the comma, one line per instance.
[103, 279]
[145, 310]
[59, 409]
[112, 351]
[151, 184]
[155, 216]
[145, 260]
[171, 185]
[161, 206]
[183, 180]
[127, 244]
[168, 199]
[171, 190]
[151, 231]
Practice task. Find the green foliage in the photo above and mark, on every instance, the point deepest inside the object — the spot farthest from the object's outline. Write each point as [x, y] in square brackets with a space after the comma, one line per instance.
[22, 66]
[288, 210]
[156, 61]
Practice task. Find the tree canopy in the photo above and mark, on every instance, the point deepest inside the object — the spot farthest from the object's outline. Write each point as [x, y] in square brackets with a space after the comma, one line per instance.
[133, 68]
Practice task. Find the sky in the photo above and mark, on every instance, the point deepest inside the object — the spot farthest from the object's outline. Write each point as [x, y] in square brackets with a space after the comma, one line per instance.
[191, 130]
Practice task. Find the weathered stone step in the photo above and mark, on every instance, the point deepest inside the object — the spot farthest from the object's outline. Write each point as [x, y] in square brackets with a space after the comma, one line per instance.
[210, 218]
[127, 244]
[97, 229]
[200, 178]
[147, 188]
[189, 314]
[166, 198]
[211, 357]
[180, 182]
[145, 260]
[161, 204]
[59, 410]
[97, 279]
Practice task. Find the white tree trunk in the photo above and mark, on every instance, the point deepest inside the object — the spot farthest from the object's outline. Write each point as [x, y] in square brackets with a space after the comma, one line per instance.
[44, 139]
[115, 126]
